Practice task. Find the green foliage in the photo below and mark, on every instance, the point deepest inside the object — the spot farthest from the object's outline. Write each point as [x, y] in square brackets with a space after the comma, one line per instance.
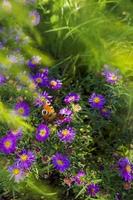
[88, 34]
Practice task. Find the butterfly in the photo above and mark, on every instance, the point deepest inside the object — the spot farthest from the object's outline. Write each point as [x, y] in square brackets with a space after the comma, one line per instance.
[48, 112]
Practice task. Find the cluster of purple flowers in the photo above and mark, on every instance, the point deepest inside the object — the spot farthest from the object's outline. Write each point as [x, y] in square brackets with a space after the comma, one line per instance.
[41, 78]
[65, 134]
[42, 99]
[8, 144]
[22, 164]
[80, 179]
[97, 101]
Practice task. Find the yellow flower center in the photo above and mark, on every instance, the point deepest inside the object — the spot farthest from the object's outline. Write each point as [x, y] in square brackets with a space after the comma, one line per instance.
[114, 77]
[33, 17]
[38, 80]
[24, 157]
[43, 99]
[65, 132]
[92, 190]
[96, 100]
[21, 111]
[53, 83]
[8, 144]
[60, 162]
[128, 168]
[16, 171]
[42, 133]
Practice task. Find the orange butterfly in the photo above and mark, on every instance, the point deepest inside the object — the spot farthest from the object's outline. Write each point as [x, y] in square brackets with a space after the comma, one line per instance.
[48, 112]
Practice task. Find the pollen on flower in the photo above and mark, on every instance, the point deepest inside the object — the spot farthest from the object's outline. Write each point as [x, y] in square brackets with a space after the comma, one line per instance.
[8, 144]
[128, 168]
[43, 133]
[16, 171]
[38, 80]
[114, 77]
[53, 83]
[43, 99]
[65, 132]
[96, 100]
[21, 111]
[24, 157]
[60, 162]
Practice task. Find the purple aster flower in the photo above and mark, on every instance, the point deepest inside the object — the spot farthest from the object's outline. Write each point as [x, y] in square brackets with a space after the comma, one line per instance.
[42, 132]
[7, 144]
[34, 61]
[43, 98]
[79, 179]
[22, 108]
[2, 79]
[55, 84]
[92, 189]
[66, 134]
[35, 17]
[16, 172]
[60, 162]
[15, 133]
[72, 98]
[65, 116]
[125, 168]
[97, 101]
[111, 77]
[105, 113]
[41, 79]
[26, 159]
